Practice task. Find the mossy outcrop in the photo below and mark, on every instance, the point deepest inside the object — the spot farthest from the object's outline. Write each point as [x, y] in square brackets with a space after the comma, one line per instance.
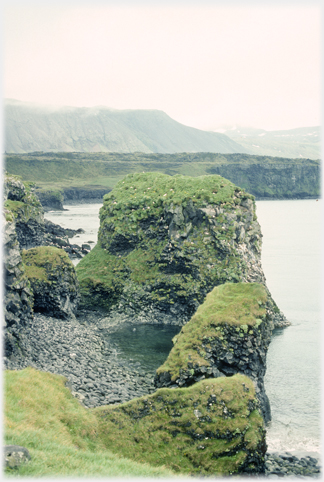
[230, 333]
[164, 243]
[211, 428]
[24, 208]
[53, 281]
[50, 199]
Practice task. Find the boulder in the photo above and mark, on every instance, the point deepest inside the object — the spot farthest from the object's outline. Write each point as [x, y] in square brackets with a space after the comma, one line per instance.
[15, 456]
[53, 281]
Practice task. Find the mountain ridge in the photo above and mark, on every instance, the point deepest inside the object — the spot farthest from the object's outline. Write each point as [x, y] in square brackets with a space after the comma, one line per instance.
[303, 142]
[30, 127]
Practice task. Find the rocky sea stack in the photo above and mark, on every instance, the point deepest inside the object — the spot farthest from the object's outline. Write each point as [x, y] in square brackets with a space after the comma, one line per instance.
[229, 333]
[165, 242]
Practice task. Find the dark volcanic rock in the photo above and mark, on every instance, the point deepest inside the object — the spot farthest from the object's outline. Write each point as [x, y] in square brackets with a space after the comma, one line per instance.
[31, 228]
[18, 296]
[50, 199]
[53, 281]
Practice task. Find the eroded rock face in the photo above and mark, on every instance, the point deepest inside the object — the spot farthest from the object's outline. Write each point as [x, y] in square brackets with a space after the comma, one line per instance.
[211, 428]
[28, 215]
[164, 243]
[230, 333]
[53, 281]
[18, 296]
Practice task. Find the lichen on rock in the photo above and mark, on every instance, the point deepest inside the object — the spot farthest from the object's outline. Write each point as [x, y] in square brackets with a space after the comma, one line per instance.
[53, 281]
[165, 241]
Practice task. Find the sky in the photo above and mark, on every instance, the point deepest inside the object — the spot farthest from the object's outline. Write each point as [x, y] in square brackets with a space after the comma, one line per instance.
[206, 64]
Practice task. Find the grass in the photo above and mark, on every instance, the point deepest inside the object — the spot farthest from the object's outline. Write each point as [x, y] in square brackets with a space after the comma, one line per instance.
[61, 435]
[237, 304]
[158, 435]
[203, 430]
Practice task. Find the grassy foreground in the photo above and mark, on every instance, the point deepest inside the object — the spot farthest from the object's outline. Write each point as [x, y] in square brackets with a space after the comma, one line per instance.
[60, 434]
[211, 428]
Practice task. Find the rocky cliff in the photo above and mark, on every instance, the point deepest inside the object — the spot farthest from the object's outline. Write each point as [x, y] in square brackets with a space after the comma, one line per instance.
[165, 242]
[47, 276]
[263, 176]
[18, 296]
[31, 228]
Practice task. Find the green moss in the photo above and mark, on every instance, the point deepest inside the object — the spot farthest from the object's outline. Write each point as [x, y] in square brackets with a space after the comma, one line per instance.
[101, 276]
[42, 261]
[134, 231]
[199, 430]
[239, 304]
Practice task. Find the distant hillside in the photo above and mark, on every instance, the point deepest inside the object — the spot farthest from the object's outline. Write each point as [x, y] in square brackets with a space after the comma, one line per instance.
[78, 174]
[30, 128]
[303, 142]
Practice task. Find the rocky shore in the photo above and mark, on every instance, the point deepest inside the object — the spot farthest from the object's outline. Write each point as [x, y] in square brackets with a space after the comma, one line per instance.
[45, 328]
[289, 466]
[76, 349]
[97, 375]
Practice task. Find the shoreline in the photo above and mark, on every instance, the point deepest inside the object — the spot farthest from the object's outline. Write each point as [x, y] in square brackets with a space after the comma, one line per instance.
[96, 375]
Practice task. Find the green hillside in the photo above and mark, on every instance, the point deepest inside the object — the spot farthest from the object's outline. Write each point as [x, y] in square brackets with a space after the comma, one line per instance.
[262, 176]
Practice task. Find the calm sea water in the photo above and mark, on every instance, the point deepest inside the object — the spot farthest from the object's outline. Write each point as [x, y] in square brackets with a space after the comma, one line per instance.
[291, 259]
[291, 263]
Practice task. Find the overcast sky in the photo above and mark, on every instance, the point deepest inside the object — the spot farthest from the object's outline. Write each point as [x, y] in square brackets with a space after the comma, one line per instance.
[205, 64]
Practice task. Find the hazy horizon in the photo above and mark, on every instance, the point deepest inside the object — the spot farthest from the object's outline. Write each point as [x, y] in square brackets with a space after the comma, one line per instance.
[204, 64]
[220, 128]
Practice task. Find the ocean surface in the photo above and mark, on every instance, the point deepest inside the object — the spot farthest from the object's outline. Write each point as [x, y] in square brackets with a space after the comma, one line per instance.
[292, 265]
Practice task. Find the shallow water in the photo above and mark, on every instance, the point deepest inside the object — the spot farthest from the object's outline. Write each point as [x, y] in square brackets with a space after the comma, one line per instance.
[291, 263]
[146, 344]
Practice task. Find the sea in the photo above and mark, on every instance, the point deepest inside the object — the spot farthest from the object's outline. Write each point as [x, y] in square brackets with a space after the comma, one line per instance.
[291, 259]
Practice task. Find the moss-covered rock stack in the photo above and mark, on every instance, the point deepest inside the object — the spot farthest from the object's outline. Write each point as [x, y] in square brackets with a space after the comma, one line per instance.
[164, 243]
[211, 428]
[53, 281]
[230, 333]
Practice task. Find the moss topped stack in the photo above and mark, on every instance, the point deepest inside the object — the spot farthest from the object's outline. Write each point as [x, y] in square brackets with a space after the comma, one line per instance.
[164, 243]
[230, 333]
